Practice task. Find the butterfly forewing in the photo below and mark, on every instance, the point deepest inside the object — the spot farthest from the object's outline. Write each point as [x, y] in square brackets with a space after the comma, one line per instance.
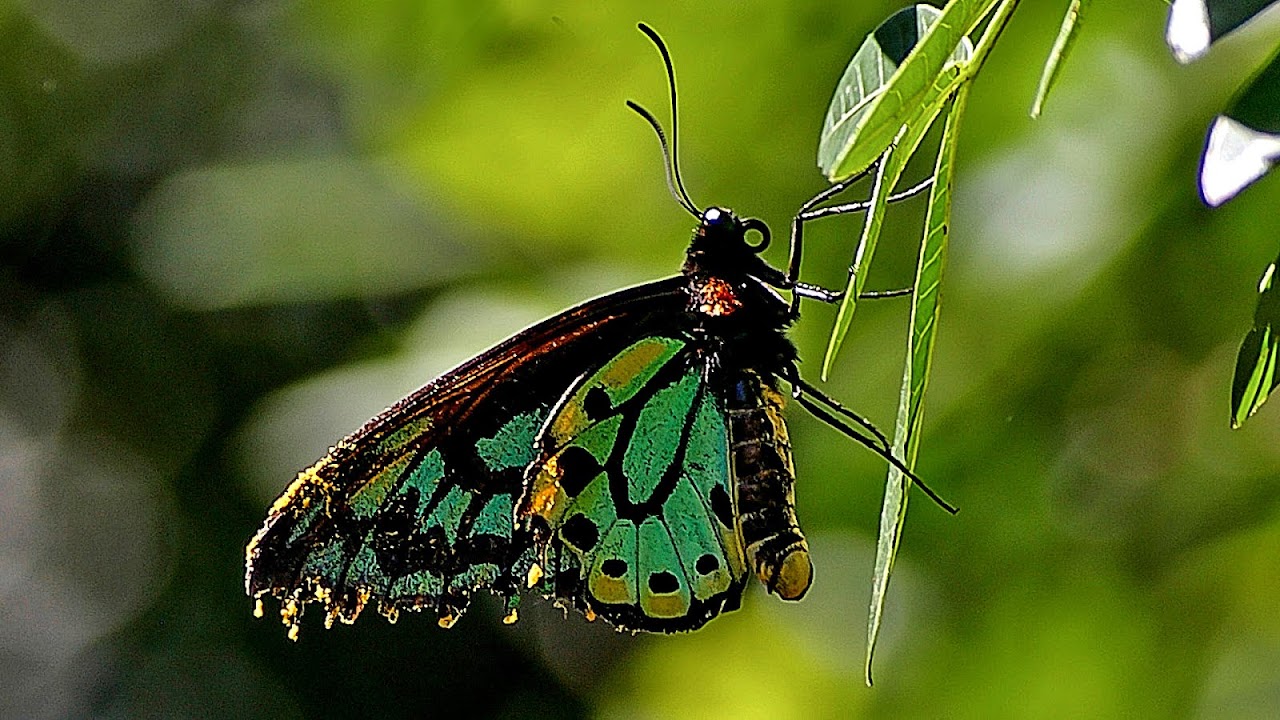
[632, 488]
[417, 508]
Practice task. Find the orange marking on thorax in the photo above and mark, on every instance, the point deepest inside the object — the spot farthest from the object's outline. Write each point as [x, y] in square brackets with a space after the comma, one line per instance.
[716, 298]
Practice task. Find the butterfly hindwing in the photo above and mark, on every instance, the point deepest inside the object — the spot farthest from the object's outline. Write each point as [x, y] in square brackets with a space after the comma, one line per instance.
[416, 510]
[633, 487]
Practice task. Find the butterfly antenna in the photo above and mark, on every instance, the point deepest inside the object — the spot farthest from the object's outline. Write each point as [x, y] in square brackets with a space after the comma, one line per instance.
[671, 156]
[666, 157]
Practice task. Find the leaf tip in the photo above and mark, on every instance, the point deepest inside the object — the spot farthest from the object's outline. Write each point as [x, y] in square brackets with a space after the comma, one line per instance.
[1235, 155]
[1188, 33]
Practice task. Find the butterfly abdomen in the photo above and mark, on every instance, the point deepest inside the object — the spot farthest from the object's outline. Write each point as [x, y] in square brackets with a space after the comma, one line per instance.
[765, 477]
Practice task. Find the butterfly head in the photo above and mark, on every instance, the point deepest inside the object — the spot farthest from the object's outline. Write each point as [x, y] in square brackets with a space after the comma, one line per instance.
[726, 245]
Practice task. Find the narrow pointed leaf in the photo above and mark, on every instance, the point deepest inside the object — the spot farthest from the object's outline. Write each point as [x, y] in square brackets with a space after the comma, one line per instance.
[1196, 24]
[887, 176]
[1244, 143]
[862, 255]
[915, 377]
[892, 166]
[1071, 23]
[867, 75]
[1255, 375]
[888, 80]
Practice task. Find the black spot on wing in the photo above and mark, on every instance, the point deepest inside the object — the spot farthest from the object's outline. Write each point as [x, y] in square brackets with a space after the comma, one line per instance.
[597, 403]
[579, 467]
[663, 582]
[722, 506]
[581, 533]
[613, 567]
[708, 563]
[394, 530]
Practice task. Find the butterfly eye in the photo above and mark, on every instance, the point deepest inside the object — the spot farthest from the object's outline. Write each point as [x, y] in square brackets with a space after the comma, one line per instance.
[758, 225]
[714, 217]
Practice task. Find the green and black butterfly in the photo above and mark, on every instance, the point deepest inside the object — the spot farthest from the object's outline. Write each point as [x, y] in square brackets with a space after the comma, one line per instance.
[628, 456]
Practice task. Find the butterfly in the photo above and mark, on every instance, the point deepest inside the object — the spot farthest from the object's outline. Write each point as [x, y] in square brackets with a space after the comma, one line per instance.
[628, 457]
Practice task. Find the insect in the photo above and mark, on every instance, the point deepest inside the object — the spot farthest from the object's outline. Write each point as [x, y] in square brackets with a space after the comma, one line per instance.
[628, 457]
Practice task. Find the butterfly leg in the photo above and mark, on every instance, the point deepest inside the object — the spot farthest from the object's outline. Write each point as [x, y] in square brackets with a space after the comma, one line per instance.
[797, 223]
[826, 409]
[882, 294]
[796, 247]
[821, 294]
[811, 211]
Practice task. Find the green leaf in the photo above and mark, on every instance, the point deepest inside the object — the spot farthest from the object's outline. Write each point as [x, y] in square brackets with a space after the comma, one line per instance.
[862, 255]
[1196, 24]
[868, 72]
[892, 165]
[1244, 143]
[1071, 23]
[915, 377]
[903, 145]
[1255, 375]
[889, 79]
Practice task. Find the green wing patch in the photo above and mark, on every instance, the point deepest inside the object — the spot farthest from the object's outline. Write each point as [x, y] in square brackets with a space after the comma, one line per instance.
[633, 493]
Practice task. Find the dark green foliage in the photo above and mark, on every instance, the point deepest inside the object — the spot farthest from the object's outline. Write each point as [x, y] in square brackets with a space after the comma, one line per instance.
[1256, 364]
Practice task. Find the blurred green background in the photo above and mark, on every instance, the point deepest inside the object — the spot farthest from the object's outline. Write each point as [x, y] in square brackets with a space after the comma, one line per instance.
[231, 231]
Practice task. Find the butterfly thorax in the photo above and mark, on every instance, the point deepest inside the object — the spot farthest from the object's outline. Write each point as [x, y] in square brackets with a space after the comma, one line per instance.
[740, 318]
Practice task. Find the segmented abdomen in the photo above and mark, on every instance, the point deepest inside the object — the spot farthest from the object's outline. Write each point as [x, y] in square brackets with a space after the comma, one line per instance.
[765, 478]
